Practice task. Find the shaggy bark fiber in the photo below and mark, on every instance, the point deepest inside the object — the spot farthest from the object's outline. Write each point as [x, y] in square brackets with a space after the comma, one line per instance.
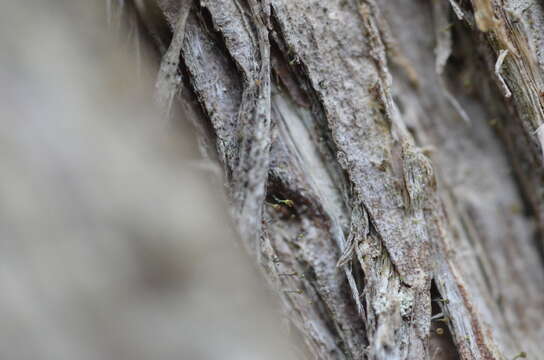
[383, 161]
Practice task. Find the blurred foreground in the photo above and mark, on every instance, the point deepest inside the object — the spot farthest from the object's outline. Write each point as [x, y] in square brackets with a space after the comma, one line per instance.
[114, 243]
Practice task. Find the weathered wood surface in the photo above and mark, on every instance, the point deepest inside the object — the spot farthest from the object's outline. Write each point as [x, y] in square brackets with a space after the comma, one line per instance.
[384, 162]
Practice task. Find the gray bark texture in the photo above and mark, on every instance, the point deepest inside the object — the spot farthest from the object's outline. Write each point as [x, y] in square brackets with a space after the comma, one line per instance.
[382, 160]
[384, 164]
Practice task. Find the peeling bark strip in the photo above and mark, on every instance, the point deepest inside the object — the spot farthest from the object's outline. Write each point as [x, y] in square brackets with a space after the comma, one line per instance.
[169, 79]
[387, 224]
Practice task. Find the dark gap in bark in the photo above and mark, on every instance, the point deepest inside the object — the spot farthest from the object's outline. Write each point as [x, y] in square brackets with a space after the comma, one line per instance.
[465, 5]
[462, 72]
[283, 77]
[435, 294]
[441, 338]
[278, 194]
[359, 276]
[205, 19]
[286, 201]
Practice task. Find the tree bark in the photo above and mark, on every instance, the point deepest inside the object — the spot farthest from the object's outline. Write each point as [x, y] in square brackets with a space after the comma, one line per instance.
[383, 161]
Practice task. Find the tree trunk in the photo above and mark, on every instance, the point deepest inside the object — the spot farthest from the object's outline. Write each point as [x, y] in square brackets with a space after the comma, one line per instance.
[383, 160]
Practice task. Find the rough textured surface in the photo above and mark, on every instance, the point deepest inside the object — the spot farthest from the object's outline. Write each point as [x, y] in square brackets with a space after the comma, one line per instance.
[384, 161]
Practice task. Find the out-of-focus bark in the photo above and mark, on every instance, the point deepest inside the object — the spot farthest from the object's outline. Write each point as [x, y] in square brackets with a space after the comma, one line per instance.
[114, 243]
